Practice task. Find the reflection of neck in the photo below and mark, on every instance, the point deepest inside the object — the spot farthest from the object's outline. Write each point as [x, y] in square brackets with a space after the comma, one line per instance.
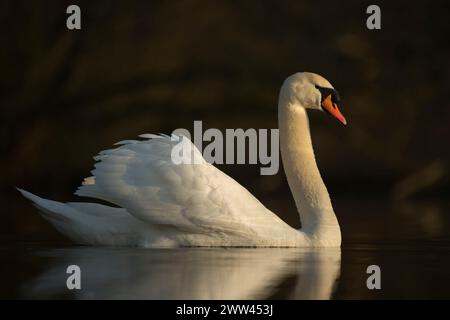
[310, 194]
[318, 274]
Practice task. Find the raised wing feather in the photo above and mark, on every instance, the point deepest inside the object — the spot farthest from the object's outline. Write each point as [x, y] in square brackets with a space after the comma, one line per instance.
[141, 177]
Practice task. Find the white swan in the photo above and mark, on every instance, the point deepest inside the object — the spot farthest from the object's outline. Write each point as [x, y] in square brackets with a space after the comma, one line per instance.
[167, 205]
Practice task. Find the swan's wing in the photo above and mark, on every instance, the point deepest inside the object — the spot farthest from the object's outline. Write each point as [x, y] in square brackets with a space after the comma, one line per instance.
[141, 177]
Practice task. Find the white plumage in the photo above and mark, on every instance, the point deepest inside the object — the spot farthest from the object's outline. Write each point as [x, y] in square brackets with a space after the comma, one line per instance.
[163, 204]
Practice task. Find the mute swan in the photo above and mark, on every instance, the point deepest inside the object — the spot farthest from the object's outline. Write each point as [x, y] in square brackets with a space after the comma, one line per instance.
[162, 204]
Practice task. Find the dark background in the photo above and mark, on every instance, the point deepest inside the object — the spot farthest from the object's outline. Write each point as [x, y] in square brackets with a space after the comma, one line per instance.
[150, 67]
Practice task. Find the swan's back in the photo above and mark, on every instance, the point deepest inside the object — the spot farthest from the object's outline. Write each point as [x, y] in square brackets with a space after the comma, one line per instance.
[168, 204]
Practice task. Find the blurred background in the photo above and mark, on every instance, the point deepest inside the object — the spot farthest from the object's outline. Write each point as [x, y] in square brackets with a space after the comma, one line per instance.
[149, 66]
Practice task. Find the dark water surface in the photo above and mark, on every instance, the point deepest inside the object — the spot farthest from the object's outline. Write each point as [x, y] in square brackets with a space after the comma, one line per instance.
[408, 271]
[410, 243]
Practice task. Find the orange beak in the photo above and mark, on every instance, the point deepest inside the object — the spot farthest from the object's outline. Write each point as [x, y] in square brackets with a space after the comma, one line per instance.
[332, 109]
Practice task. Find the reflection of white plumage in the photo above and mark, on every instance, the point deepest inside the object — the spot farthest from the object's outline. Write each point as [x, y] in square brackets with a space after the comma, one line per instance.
[188, 273]
[163, 204]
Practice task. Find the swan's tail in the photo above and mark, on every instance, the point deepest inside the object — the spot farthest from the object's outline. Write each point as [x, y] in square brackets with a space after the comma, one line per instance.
[56, 212]
[87, 223]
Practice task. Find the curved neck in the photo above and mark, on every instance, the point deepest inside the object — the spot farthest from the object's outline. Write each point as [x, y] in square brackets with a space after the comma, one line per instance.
[309, 192]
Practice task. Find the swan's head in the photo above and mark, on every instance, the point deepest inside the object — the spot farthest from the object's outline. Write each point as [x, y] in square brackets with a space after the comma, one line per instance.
[312, 91]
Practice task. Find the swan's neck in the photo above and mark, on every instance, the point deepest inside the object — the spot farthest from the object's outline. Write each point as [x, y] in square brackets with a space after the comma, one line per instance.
[309, 192]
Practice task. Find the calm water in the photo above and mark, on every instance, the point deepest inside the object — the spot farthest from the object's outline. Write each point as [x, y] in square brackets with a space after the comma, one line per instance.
[410, 243]
[409, 271]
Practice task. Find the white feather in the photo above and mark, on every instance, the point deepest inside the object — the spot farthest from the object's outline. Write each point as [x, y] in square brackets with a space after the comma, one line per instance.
[162, 203]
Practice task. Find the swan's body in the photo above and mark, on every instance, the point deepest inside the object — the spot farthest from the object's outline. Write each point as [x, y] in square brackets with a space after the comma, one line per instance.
[163, 204]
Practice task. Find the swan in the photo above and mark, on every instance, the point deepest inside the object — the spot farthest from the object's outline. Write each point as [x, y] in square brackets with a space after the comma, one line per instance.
[162, 204]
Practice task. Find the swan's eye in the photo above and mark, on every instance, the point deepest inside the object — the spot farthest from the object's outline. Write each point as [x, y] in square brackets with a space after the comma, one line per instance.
[325, 92]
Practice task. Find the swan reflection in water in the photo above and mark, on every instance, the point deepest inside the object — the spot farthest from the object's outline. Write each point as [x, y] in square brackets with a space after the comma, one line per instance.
[190, 273]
